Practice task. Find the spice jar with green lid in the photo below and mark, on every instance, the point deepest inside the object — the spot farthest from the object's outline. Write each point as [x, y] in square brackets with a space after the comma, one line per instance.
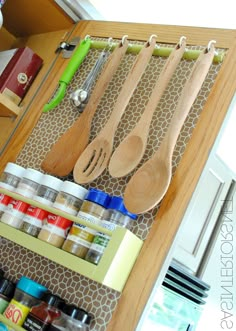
[7, 289]
[92, 211]
[116, 215]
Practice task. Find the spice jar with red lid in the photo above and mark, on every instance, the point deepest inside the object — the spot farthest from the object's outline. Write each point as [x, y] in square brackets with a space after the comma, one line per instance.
[9, 180]
[42, 315]
[55, 229]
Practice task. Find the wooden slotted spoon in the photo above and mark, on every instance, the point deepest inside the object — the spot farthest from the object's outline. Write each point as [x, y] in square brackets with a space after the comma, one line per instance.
[95, 157]
[131, 150]
[149, 184]
[63, 155]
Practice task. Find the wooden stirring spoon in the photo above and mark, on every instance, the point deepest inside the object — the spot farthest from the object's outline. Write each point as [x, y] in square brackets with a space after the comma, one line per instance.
[149, 184]
[95, 157]
[131, 150]
[63, 155]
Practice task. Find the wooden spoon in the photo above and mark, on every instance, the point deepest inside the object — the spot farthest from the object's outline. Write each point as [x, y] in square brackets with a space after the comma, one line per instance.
[95, 157]
[61, 159]
[130, 151]
[149, 184]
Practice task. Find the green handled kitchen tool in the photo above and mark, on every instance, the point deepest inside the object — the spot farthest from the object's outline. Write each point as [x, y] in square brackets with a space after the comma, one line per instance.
[75, 61]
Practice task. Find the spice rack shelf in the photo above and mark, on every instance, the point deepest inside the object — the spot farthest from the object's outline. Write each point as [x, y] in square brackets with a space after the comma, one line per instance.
[7, 107]
[10, 323]
[114, 266]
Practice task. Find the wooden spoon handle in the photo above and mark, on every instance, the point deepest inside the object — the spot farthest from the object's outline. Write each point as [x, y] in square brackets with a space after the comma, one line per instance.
[187, 98]
[142, 127]
[129, 86]
[72, 143]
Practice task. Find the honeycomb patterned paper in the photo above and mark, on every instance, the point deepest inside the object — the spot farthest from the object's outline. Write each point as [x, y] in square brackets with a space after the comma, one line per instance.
[99, 300]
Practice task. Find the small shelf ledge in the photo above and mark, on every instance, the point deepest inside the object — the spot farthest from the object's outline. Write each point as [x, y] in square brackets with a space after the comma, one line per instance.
[7, 107]
[9, 323]
[115, 265]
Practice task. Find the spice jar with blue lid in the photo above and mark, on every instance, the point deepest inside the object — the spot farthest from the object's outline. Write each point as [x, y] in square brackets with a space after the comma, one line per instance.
[116, 215]
[26, 295]
[92, 211]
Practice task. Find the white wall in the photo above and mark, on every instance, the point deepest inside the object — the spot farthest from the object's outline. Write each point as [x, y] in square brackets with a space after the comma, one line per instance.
[204, 13]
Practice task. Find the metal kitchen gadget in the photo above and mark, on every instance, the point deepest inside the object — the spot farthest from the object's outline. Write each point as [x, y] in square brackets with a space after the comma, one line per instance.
[80, 96]
[149, 184]
[72, 143]
[95, 157]
[131, 150]
[74, 63]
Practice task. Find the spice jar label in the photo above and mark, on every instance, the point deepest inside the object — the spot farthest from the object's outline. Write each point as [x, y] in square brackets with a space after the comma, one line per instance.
[57, 224]
[15, 206]
[14, 212]
[16, 312]
[4, 200]
[33, 323]
[36, 212]
[88, 218]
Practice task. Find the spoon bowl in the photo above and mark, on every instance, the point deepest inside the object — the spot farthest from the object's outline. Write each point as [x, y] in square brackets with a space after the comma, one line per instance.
[143, 185]
[133, 148]
[150, 183]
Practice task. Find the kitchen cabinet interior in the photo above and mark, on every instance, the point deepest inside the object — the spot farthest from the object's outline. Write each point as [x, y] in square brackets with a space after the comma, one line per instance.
[112, 310]
[23, 26]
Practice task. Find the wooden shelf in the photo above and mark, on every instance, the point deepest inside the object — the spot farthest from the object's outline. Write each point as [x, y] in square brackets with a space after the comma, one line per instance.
[7, 107]
[115, 265]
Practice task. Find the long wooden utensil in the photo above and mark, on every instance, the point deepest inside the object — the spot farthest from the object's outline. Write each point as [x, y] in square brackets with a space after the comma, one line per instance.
[131, 150]
[149, 184]
[63, 155]
[95, 157]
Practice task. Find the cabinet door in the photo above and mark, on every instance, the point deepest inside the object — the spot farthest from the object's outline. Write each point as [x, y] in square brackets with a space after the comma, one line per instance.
[202, 213]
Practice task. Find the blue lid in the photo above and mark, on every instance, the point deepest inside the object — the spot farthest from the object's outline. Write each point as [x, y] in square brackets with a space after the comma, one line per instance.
[117, 203]
[97, 196]
[31, 287]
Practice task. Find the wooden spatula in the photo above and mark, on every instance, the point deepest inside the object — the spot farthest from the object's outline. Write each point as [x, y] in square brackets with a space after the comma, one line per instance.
[60, 160]
[95, 157]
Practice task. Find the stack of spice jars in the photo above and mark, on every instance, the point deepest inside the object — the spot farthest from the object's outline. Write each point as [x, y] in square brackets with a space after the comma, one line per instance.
[30, 305]
[48, 190]
[69, 199]
[91, 206]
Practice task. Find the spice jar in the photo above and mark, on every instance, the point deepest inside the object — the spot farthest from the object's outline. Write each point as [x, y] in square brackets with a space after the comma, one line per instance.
[48, 190]
[72, 319]
[33, 220]
[29, 183]
[116, 215]
[9, 180]
[11, 176]
[54, 230]
[42, 315]
[7, 289]
[14, 213]
[70, 197]
[27, 294]
[92, 210]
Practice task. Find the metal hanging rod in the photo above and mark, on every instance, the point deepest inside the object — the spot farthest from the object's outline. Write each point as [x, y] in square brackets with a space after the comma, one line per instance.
[189, 54]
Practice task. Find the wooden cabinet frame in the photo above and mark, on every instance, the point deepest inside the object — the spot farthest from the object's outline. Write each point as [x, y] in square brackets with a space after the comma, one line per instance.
[169, 217]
